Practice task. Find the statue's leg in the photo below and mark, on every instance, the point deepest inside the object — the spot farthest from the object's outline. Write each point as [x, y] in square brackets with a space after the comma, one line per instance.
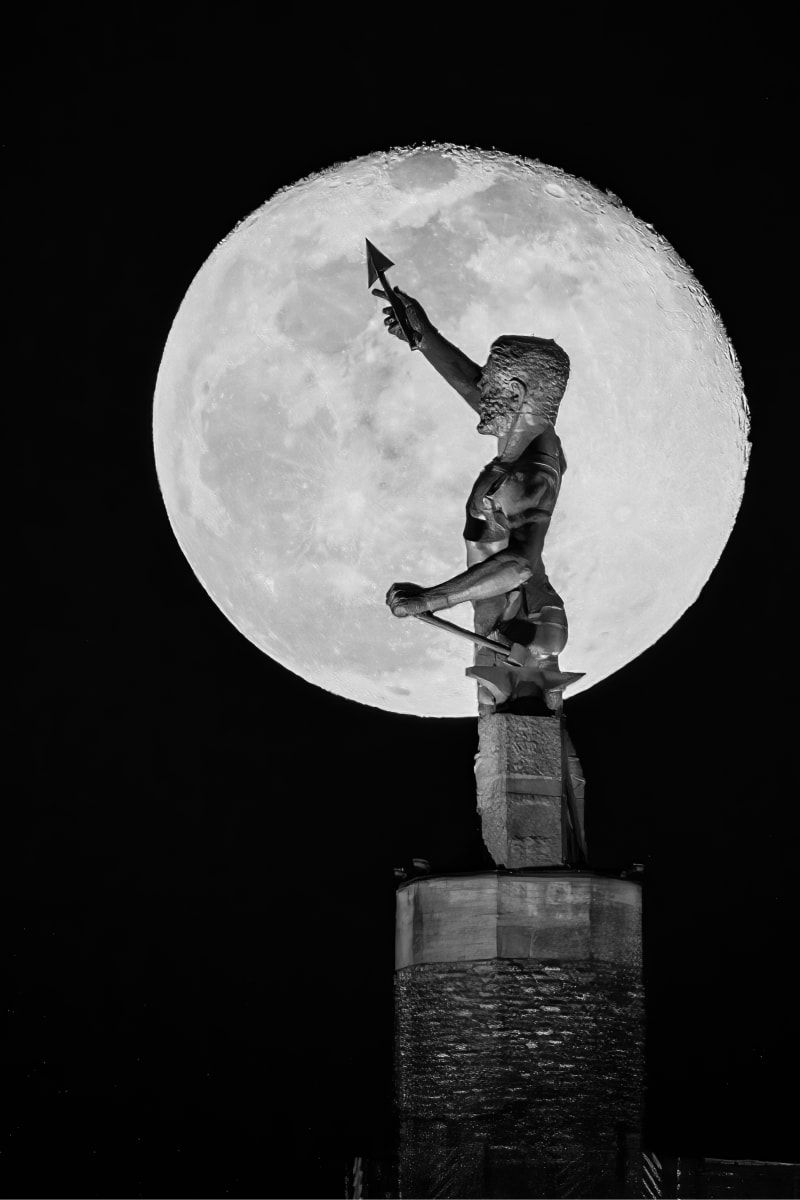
[547, 635]
[486, 615]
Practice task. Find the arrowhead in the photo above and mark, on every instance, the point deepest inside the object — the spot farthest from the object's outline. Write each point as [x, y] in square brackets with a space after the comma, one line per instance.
[375, 262]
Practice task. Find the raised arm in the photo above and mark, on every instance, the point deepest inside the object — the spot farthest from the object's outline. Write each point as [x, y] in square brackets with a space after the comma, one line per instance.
[452, 364]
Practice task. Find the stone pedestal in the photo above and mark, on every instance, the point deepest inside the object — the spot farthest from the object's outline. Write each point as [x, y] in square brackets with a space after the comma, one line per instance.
[530, 791]
[519, 1034]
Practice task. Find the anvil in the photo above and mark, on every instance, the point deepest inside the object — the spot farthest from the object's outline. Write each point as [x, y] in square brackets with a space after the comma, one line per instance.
[508, 679]
[505, 679]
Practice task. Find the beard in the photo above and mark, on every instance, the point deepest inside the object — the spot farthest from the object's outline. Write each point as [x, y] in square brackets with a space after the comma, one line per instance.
[496, 415]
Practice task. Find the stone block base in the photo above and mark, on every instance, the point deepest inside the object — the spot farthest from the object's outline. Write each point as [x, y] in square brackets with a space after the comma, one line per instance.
[519, 1035]
[530, 791]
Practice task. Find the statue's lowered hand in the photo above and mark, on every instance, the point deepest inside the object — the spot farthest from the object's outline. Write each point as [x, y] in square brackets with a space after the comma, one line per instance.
[416, 314]
[407, 599]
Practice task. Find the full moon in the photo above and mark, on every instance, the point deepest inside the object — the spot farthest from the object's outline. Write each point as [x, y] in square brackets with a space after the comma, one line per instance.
[307, 460]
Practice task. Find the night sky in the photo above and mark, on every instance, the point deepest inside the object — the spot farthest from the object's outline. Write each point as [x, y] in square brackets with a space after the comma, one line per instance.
[198, 878]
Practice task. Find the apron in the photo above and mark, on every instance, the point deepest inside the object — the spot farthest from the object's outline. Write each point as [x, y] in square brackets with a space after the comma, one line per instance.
[536, 481]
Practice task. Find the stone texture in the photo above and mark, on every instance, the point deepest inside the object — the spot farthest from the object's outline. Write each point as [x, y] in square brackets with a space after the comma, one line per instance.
[519, 1073]
[734, 1179]
[520, 785]
[561, 916]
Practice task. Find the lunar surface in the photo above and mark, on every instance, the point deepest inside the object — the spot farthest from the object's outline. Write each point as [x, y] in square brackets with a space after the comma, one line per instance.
[307, 460]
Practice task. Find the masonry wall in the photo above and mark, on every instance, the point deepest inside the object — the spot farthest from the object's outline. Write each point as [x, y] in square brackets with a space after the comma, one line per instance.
[519, 1070]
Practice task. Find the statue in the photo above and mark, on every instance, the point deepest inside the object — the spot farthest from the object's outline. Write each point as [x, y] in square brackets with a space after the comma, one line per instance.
[516, 394]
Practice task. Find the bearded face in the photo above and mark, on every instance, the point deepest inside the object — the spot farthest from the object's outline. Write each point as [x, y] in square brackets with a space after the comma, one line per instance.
[498, 407]
[537, 366]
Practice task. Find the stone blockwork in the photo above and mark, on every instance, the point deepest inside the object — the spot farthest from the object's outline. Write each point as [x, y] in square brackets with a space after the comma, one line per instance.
[553, 916]
[528, 775]
[515, 1078]
[521, 1073]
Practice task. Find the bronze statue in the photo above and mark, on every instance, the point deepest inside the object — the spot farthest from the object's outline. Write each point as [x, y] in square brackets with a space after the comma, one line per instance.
[516, 394]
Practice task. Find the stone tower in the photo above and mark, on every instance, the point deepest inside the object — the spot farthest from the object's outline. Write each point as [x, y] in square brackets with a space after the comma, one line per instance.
[518, 995]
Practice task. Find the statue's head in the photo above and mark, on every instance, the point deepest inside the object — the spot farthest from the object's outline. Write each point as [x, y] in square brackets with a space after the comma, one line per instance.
[521, 374]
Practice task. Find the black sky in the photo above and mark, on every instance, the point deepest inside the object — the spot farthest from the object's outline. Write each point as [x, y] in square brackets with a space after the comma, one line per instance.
[198, 877]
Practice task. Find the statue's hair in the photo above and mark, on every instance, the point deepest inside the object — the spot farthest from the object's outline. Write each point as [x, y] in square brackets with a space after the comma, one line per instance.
[539, 363]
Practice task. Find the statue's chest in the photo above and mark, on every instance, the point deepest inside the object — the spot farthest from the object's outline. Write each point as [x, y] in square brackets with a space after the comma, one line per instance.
[500, 494]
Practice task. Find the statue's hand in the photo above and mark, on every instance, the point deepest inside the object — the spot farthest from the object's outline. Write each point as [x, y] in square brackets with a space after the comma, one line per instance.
[416, 314]
[407, 599]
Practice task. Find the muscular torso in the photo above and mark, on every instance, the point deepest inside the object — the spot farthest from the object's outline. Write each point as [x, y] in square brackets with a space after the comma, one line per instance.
[508, 495]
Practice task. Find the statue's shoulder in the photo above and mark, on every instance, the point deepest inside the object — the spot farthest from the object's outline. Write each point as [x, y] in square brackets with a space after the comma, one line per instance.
[545, 447]
[548, 443]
